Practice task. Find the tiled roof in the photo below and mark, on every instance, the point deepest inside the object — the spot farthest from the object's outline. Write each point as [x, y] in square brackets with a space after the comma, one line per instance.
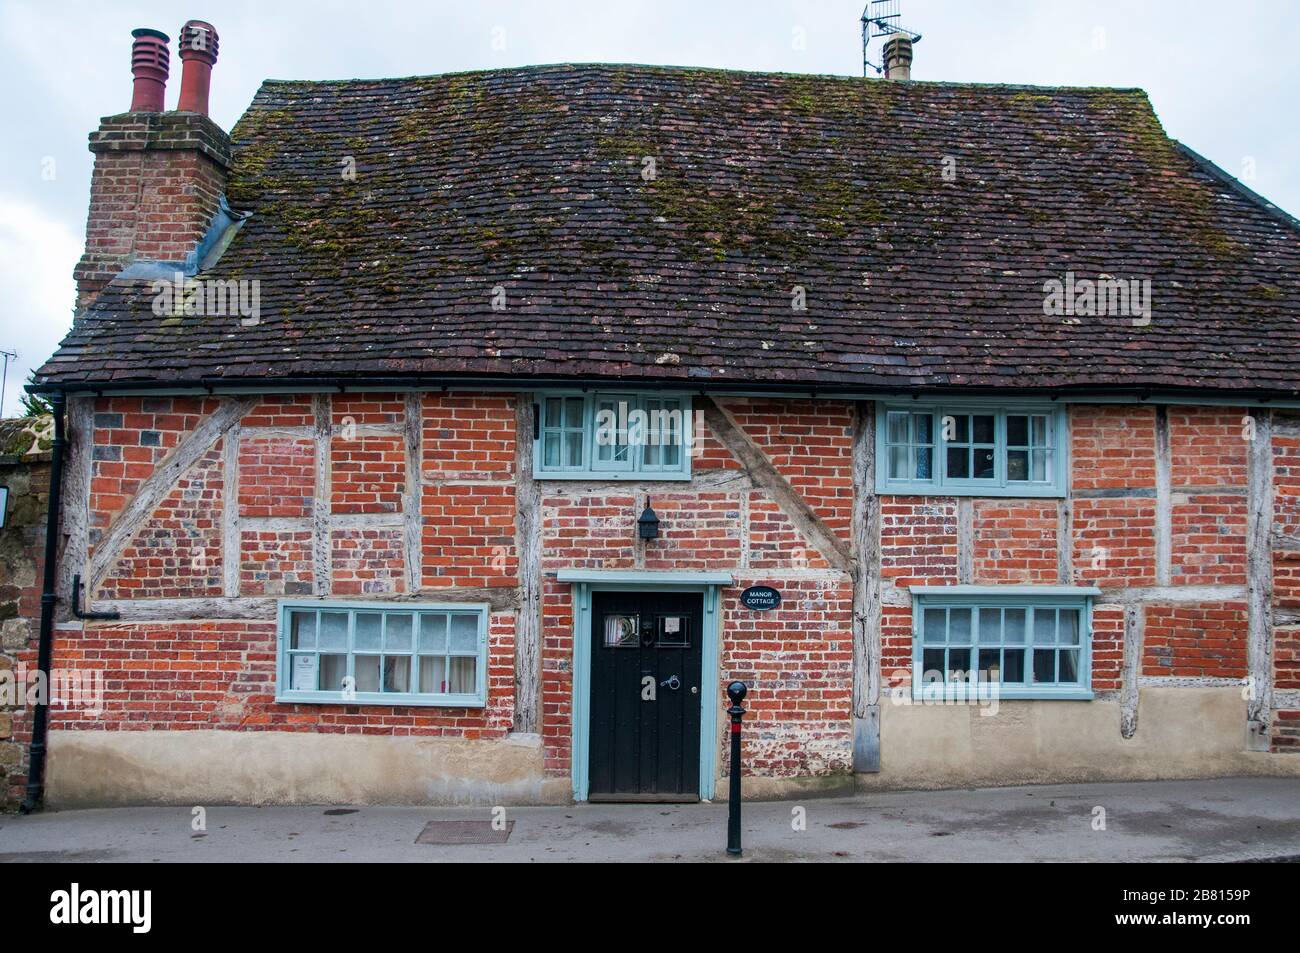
[654, 224]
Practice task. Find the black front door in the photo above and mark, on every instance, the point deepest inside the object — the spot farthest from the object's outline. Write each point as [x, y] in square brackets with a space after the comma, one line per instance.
[645, 696]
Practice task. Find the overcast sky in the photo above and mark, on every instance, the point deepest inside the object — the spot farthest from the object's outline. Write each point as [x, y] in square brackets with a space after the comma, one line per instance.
[1223, 78]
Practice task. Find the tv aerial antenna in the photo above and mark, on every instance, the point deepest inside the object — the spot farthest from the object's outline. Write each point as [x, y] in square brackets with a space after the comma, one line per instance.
[880, 18]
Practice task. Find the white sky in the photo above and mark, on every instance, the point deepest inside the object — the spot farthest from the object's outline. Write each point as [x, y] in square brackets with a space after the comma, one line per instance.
[1223, 78]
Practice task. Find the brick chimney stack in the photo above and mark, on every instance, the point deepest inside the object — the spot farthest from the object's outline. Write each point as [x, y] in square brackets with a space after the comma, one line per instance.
[160, 177]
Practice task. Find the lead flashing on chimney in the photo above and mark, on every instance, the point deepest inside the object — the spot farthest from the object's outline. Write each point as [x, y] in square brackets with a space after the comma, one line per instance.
[221, 232]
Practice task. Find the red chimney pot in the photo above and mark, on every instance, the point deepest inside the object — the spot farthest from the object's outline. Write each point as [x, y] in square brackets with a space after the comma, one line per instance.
[149, 66]
[198, 52]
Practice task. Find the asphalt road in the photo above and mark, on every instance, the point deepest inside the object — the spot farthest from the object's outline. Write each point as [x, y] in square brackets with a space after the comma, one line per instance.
[1161, 821]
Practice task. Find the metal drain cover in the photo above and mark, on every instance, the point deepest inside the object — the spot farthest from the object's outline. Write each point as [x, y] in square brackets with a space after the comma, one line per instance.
[449, 833]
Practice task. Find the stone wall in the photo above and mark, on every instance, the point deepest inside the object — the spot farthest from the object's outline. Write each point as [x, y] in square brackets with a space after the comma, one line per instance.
[22, 542]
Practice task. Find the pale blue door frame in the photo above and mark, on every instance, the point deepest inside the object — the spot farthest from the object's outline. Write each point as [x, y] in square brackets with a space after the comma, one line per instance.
[585, 582]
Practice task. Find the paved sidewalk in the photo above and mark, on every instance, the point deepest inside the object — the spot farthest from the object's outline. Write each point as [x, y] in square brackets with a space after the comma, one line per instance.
[1227, 819]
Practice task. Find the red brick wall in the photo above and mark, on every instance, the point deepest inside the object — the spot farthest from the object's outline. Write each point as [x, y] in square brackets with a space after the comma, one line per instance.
[468, 437]
[918, 540]
[277, 475]
[1015, 542]
[1203, 641]
[177, 554]
[275, 562]
[368, 474]
[131, 436]
[367, 562]
[798, 663]
[1107, 647]
[1115, 541]
[468, 535]
[1112, 447]
[798, 658]
[1207, 446]
[698, 531]
[811, 444]
[222, 675]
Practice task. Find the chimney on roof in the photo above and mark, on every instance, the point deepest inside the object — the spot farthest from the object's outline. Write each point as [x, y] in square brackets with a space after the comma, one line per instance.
[198, 43]
[898, 57]
[158, 190]
[149, 66]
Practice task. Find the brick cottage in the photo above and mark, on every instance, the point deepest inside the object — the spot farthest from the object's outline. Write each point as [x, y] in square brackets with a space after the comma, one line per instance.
[491, 423]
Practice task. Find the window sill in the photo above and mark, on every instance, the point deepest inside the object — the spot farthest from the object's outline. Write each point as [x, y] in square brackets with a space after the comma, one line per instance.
[1015, 492]
[592, 476]
[987, 694]
[388, 700]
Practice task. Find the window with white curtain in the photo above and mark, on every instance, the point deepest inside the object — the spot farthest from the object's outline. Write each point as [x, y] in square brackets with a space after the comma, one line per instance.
[365, 653]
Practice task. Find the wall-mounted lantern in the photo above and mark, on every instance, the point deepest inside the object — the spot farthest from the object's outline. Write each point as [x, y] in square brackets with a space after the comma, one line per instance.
[647, 526]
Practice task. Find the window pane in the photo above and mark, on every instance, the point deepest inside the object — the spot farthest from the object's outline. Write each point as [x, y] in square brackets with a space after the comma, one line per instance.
[958, 663]
[1069, 665]
[551, 449]
[621, 631]
[1017, 430]
[334, 631]
[898, 464]
[923, 464]
[397, 673]
[1013, 630]
[1068, 627]
[958, 463]
[959, 626]
[573, 412]
[896, 427]
[990, 670]
[333, 669]
[990, 625]
[302, 630]
[433, 633]
[982, 427]
[1044, 665]
[922, 428]
[464, 633]
[397, 633]
[552, 416]
[984, 464]
[573, 449]
[433, 675]
[936, 625]
[461, 681]
[932, 664]
[1039, 465]
[368, 625]
[1017, 465]
[1013, 666]
[1042, 432]
[960, 429]
[367, 673]
[302, 672]
[1044, 627]
[672, 452]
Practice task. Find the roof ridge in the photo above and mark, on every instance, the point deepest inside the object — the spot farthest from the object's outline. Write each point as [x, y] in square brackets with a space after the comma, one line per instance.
[681, 68]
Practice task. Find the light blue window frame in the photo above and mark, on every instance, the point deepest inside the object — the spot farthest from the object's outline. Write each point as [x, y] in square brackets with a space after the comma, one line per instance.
[962, 647]
[605, 462]
[285, 654]
[939, 483]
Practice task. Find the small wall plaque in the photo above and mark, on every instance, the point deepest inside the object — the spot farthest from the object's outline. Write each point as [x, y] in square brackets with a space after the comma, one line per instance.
[760, 598]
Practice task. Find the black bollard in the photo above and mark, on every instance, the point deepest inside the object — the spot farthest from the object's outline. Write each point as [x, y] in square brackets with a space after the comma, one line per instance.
[736, 692]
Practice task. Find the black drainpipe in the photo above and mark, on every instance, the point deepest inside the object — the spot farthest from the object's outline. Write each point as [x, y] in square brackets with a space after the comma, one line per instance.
[49, 599]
